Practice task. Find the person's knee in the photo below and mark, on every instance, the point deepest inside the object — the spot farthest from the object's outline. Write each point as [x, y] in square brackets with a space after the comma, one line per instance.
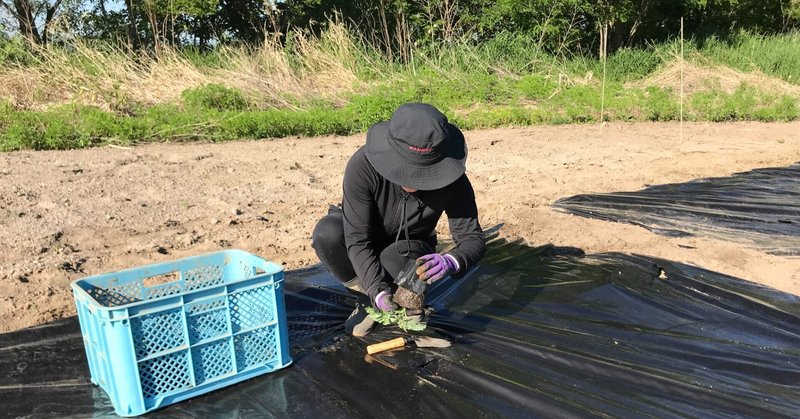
[328, 232]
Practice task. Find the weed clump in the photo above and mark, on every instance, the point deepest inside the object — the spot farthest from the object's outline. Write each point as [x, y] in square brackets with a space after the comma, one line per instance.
[215, 97]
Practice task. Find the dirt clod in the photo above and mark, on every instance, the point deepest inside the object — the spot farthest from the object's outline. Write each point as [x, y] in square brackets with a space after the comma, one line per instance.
[408, 299]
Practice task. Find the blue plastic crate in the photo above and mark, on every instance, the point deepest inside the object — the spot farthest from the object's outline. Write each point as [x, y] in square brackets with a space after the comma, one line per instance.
[209, 322]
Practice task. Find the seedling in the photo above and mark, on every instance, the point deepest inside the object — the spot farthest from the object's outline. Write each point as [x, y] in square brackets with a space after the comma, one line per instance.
[396, 317]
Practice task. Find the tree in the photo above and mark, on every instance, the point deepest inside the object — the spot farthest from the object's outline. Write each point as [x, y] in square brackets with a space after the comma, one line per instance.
[33, 17]
[247, 20]
[133, 33]
[395, 26]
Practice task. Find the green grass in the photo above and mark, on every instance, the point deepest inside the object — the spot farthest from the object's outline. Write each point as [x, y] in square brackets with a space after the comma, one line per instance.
[492, 103]
[503, 82]
[14, 51]
[746, 103]
[777, 55]
[214, 96]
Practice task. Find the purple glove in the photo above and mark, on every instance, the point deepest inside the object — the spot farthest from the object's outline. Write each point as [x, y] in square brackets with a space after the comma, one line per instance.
[383, 301]
[434, 266]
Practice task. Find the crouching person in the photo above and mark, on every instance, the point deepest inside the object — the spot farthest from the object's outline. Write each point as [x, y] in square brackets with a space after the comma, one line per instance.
[396, 187]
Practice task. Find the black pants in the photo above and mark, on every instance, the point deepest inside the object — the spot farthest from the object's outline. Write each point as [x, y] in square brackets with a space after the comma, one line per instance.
[328, 241]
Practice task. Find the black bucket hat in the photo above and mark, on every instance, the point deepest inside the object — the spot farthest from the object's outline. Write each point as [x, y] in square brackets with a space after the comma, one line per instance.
[417, 148]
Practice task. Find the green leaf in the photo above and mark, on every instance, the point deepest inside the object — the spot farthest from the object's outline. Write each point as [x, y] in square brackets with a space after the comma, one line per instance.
[410, 324]
[380, 316]
[396, 317]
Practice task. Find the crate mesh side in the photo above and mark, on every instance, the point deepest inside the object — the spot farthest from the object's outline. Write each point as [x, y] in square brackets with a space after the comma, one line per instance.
[206, 306]
[212, 360]
[117, 295]
[255, 348]
[162, 291]
[207, 325]
[157, 332]
[203, 277]
[252, 308]
[247, 270]
[164, 374]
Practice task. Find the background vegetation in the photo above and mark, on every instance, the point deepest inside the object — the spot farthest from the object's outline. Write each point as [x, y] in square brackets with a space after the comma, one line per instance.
[77, 74]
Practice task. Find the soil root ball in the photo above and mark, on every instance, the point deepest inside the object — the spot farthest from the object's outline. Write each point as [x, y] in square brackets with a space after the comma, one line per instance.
[408, 299]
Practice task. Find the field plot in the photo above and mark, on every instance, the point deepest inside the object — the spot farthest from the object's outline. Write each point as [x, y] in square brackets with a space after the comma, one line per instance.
[69, 214]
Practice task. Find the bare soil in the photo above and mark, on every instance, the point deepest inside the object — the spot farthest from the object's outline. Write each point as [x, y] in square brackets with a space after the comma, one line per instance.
[65, 215]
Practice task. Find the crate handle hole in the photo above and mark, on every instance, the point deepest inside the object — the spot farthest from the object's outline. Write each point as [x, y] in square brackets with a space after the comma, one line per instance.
[260, 271]
[162, 279]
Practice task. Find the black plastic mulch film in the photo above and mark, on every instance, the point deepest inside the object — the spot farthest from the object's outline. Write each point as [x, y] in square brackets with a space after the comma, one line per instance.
[536, 332]
[759, 208]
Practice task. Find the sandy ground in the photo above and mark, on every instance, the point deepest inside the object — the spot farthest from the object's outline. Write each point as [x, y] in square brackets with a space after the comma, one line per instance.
[65, 215]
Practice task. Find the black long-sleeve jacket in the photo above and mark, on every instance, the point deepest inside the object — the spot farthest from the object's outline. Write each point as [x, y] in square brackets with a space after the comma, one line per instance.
[373, 209]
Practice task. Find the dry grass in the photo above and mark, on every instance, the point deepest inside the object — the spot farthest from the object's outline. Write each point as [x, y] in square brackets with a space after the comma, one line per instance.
[112, 77]
[319, 68]
[700, 77]
[313, 67]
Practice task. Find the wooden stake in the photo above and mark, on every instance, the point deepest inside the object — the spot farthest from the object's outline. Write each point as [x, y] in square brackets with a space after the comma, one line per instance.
[681, 124]
[604, 54]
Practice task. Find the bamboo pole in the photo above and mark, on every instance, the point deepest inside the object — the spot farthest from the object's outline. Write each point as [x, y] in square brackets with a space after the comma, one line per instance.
[682, 59]
[604, 54]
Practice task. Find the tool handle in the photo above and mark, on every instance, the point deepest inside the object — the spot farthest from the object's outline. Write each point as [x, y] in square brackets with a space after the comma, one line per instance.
[385, 346]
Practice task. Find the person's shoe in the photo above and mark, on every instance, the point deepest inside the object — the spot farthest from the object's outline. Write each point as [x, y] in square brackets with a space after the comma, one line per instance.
[359, 323]
[352, 285]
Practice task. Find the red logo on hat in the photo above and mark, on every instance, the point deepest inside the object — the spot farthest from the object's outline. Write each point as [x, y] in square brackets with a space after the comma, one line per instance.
[420, 149]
